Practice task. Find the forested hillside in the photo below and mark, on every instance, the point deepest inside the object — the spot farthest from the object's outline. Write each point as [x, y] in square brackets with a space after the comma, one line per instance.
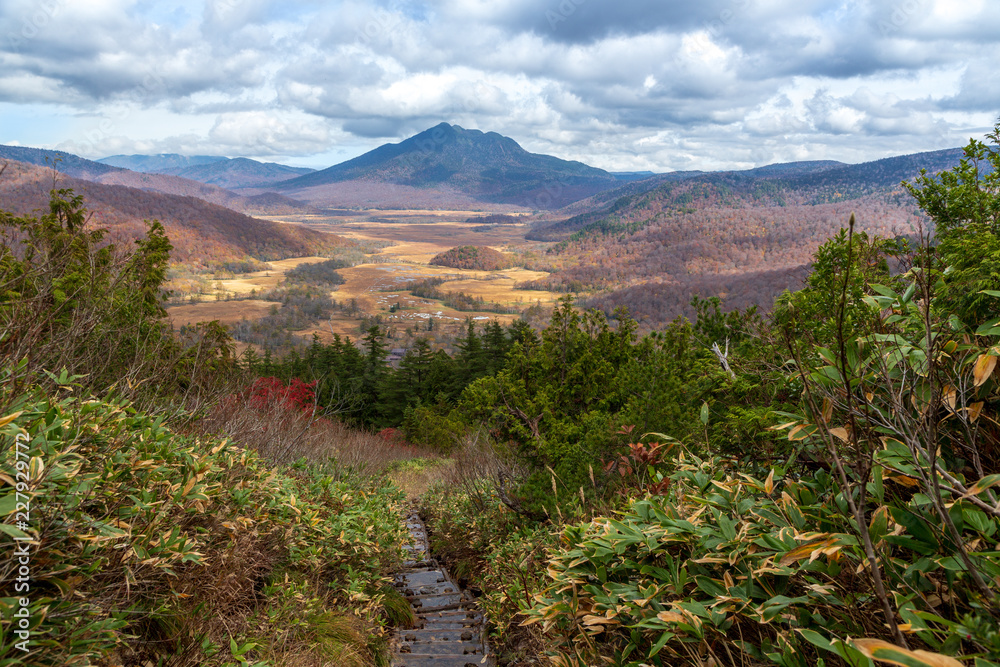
[742, 236]
[98, 172]
[200, 232]
[477, 258]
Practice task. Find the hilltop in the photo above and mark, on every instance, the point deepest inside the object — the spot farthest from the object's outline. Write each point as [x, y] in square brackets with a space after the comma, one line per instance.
[477, 258]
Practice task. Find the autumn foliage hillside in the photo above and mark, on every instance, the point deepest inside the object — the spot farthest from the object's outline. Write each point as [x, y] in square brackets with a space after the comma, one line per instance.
[199, 231]
[742, 236]
[476, 258]
[167, 182]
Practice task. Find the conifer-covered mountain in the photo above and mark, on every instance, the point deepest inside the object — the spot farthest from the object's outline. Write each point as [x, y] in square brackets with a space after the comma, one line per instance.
[468, 165]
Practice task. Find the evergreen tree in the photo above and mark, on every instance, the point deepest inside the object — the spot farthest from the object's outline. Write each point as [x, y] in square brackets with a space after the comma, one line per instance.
[370, 410]
[470, 362]
[495, 346]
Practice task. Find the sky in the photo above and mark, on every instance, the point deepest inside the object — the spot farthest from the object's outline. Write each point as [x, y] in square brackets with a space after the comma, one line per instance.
[625, 85]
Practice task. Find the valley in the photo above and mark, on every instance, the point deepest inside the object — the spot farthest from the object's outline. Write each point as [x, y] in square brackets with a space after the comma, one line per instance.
[404, 243]
[309, 372]
[499, 334]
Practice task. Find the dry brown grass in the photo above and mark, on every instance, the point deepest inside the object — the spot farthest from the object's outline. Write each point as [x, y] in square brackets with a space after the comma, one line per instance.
[245, 283]
[501, 289]
[415, 480]
[417, 236]
[368, 284]
[227, 312]
[282, 435]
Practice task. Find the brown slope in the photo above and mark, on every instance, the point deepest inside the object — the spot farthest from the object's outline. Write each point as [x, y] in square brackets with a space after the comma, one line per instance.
[272, 204]
[721, 240]
[743, 254]
[78, 167]
[201, 232]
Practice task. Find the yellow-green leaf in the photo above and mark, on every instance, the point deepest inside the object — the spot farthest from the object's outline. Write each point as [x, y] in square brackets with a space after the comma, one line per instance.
[983, 484]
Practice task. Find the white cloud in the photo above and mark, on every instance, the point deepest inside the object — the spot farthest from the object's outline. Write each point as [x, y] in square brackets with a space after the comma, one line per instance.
[643, 84]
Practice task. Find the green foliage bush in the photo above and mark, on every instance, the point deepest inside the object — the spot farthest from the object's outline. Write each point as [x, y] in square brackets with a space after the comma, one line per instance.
[734, 568]
[73, 301]
[146, 543]
[322, 274]
[425, 426]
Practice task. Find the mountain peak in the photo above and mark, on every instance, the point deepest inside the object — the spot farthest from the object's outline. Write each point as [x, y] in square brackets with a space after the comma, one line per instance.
[487, 166]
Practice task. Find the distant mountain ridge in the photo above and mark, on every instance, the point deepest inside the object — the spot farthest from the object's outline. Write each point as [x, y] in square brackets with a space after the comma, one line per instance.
[240, 173]
[97, 172]
[448, 166]
[811, 183]
[743, 236]
[229, 173]
[64, 163]
[156, 164]
[484, 166]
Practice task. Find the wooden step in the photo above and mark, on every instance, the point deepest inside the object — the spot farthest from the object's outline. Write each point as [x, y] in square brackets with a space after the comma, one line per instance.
[448, 631]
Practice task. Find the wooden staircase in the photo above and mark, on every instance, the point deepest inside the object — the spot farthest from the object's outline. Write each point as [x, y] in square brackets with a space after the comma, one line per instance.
[449, 627]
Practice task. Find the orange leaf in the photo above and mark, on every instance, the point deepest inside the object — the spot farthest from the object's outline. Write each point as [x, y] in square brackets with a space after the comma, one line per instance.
[840, 432]
[903, 480]
[984, 368]
[670, 617]
[805, 551]
[9, 418]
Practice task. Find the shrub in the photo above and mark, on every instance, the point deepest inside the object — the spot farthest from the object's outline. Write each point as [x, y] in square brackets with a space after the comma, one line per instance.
[147, 544]
[72, 300]
[727, 567]
[322, 274]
